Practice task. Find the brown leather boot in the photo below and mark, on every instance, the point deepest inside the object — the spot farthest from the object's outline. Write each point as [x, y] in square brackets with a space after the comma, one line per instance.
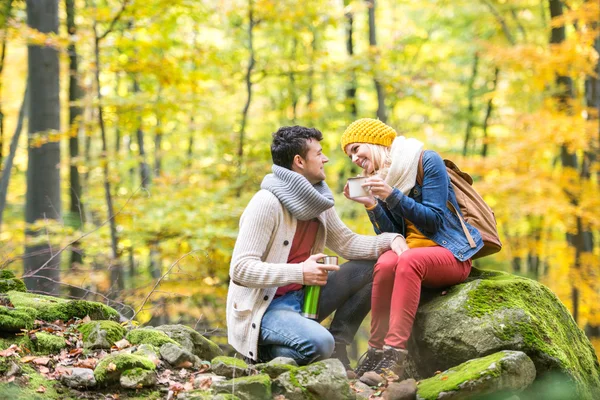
[392, 361]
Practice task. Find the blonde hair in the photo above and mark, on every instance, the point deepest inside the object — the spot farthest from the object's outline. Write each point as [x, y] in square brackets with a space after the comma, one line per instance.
[381, 159]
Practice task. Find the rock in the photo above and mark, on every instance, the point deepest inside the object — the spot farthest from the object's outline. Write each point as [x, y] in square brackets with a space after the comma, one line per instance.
[50, 308]
[204, 395]
[277, 366]
[206, 380]
[101, 334]
[229, 367]
[8, 284]
[149, 336]
[363, 391]
[505, 371]
[372, 378]
[322, 380]
[111, 367]
[246, 388]
[47, 343]
[192, 341]
[405, 390]
[177, 356]
[494, 311]
[13, 320]
[79, 378]
[149, 351]
[12, 369]
[138, 378]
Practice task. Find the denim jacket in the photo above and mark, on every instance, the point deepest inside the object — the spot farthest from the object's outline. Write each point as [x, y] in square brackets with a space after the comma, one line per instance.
[426, 208]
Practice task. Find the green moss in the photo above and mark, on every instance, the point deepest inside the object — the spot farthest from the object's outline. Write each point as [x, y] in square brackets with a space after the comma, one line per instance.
[111, 367]
[247, 387]
[13, 320]
[134, 372]
[47, 343]
[450, 380]
[19, 390]
[6, 274]
[149, 336]
[7, 285]
[231, 361]
[548, 329]
[50, 308]
[114, 330]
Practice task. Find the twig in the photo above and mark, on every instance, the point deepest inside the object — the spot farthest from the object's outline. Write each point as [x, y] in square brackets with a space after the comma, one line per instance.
[114, 21]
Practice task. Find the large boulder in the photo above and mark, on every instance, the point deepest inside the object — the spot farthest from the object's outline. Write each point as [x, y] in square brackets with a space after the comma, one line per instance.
[495, 311]
[192, 341]
[504, 372]
[255, 387]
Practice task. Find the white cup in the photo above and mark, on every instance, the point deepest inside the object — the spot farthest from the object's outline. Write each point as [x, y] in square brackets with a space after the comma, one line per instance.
[355, 188]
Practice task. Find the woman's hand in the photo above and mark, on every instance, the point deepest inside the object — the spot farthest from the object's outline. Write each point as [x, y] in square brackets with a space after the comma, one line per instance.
[378, 187]
[399, 245]
[368, 201]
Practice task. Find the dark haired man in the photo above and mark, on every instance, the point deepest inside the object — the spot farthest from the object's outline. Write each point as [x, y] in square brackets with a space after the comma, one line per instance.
[283, 233]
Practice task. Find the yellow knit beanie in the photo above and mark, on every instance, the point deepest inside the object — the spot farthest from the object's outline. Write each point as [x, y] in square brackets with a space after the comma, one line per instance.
[368, 130]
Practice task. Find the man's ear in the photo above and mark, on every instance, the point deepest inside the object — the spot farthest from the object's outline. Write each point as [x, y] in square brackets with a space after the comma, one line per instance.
[297, 163]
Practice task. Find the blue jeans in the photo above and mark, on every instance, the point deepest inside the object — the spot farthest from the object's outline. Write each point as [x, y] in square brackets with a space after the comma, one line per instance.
[284, 332]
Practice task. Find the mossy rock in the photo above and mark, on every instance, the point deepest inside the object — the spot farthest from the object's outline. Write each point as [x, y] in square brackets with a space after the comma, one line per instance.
[503, 372]
[109, 370]
[6, 274]
[192, 340]
[91, 330]
[229, 367]
[26, 389]
[149, 336]
[47, 343]
[6, 285]
[50, 308]
[13, 320]
[495, 311]
[246, 388]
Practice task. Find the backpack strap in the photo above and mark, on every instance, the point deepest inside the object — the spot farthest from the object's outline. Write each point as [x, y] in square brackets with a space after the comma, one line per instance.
[462, 223]
[420, 172]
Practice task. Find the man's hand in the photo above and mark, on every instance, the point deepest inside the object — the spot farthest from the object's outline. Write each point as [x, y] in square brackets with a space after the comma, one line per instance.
[399, 245]
[314, 273]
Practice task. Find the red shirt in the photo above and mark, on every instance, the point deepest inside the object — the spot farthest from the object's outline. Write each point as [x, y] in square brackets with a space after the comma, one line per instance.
[302, 244]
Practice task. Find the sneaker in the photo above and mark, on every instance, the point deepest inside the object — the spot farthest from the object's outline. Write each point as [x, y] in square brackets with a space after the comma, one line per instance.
[392, 361]
[339, 352]
[368, 361]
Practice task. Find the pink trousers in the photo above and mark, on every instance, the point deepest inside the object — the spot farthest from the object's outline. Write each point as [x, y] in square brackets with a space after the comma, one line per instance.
[397, 282]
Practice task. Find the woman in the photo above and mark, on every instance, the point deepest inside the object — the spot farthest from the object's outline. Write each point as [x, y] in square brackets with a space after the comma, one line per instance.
[436, 252]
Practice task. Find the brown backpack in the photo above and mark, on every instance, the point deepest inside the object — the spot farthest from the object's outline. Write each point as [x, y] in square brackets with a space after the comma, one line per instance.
[473, 208]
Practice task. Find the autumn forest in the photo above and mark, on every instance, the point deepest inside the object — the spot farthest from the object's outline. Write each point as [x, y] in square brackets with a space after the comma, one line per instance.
[133, 133]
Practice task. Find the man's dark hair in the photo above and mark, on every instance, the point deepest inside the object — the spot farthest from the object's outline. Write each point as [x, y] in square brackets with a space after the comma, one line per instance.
[291, 140]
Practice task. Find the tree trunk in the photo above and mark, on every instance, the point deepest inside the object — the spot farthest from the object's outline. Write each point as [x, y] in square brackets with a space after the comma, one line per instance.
[351, 90]
[6, 14]
[381, 111]
[144, 168]
[41, 267]
[75, 113]
[471, 106]
[5, 179]
[251, 61]
[488, 114]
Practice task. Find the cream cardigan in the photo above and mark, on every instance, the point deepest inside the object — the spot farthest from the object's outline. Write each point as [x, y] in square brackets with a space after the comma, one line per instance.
[259, 262]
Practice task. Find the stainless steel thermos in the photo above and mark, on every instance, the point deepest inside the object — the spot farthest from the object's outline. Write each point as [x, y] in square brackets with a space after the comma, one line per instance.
[310, 308]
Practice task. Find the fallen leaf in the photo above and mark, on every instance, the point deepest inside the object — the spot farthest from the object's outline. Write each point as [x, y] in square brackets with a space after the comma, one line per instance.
[204, 383]
[444, 378]
[41, 360]
[60, 370]
[445, 292]
[89, 363]
[184, 364]
[41, 389]
[437, 372]
[11, 351]
[86, 319]
[75, 352]
[111, 367]
[9, 380]
[183, 373]
[188, 386]
[121, 344]
[27, 359]
[44, 370]
[176, 387]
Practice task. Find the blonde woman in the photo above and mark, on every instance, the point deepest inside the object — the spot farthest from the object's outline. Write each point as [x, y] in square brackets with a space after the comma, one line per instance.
[436, 252]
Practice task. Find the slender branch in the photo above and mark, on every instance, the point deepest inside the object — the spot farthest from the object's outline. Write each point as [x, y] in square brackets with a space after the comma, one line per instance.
[501, 21]
[114, 21]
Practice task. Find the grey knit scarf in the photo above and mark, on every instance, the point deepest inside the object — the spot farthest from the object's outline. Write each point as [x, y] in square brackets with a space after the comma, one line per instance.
[298, 196]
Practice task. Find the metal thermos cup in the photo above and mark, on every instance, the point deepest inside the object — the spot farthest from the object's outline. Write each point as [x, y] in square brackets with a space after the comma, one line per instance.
[310, 308]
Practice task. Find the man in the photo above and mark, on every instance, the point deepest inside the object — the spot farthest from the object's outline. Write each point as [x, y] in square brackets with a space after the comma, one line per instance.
[283, 233]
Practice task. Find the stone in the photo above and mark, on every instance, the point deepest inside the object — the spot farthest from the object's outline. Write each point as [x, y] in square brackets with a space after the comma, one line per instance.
[111, 367]
[177, 355]
[14, 320]
[79, 378]
[138, 378]
[277, 366]
[149, 351]
[322, 380]
[229, 367]
[405, 390]
[206, 380]
[362, 390]
[47, 343]
[493, 311]
[149, 336]
[101, 334]
[372, 378]
[246, 388]
[192, 340]
[505, 371]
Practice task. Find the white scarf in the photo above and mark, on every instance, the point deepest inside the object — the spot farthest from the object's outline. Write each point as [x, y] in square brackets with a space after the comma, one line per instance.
[405, 154]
